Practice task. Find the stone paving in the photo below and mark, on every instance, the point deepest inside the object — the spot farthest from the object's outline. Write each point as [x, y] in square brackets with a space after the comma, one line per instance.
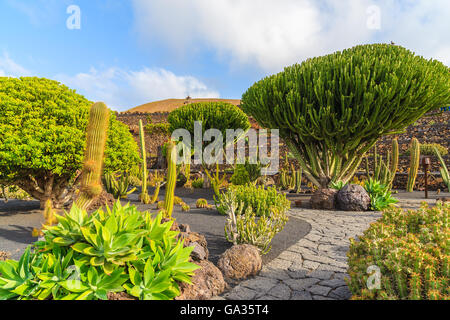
[315, 267]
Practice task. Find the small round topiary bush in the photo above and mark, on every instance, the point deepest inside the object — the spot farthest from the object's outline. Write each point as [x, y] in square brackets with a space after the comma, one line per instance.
[411, 250]
[43, 138]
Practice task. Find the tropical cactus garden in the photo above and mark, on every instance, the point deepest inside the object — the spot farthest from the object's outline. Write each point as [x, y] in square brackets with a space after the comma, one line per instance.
[100, 205]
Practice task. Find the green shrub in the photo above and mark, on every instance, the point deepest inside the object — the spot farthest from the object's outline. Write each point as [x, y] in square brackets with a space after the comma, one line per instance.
[380, 195]
[427, 149]
[246, 173]
[43, 137]
[242, 226]
[13, 192]
[158, 128]
[262, 201]
[240, 176]
[197, 183]
[331, 110]
[214, 115]
[85, 257]
[410, 249]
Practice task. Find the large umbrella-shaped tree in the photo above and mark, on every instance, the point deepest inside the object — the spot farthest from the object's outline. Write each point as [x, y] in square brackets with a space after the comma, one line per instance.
[330, 110]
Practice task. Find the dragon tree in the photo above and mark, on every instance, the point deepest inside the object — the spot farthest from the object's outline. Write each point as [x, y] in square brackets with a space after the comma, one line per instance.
[331, 110]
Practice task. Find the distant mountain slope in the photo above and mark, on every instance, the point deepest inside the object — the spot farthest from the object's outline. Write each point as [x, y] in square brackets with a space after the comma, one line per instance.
[172, 104]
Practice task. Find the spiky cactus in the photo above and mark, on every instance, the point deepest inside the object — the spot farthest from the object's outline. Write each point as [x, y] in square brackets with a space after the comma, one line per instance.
[410, 248]
[444, 171]
[171, 178]
[414, 165]
[384, 172]
[144, 197]
[97, 131]
[298, 180]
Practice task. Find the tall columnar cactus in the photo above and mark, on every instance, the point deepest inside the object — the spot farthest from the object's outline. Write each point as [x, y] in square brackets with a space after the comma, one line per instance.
[298, 180]
[171, 178]
[444, 171]
[384, 172]
[144, 197]
[414, 165]
[97, 130]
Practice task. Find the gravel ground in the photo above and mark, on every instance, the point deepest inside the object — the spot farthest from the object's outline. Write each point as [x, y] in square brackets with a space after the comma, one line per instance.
[18, 218]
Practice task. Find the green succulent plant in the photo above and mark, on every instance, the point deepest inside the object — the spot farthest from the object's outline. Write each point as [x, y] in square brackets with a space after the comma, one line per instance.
[85, 257]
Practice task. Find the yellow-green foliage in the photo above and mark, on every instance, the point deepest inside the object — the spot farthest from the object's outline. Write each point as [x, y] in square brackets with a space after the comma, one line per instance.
[185, 207]
[197, 183]
[262, 201]
[177, 200]
[13, 192]
[242, 226]
[412, 251]
[202, 203]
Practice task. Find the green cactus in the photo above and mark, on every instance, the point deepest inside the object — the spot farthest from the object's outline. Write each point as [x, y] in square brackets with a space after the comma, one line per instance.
[97, 130]
[298, 180]
[171, 179]
[144, 197]
[414, 165]
[157, 180]
[444, 171]
[117, 184]
[384, 172]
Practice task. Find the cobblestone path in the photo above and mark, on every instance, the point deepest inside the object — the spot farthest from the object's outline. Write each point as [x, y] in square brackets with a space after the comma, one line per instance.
[315, 267]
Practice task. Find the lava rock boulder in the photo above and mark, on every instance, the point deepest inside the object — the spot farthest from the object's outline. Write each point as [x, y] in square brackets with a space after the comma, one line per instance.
[240, 262]
[324, 199]
[353, 197]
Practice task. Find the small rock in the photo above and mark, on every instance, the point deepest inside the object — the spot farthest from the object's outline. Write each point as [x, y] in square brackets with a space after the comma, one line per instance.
[324, 199]
[199, 252]
[194, 237]
[240, 261]
[207, 282]
[353, 197]
[185, 228]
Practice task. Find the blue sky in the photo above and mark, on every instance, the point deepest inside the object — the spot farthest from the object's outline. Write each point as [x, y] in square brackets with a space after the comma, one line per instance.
[128, 53]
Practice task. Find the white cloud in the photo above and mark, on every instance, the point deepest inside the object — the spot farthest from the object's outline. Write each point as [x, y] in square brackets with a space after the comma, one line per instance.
[122, 89]
[9, 68]
[272, 34]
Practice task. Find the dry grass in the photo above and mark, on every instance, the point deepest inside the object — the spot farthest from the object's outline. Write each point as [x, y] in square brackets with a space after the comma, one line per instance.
[172, 104]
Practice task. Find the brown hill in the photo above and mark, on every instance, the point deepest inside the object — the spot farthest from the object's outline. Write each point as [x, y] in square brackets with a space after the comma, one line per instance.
[169, 105]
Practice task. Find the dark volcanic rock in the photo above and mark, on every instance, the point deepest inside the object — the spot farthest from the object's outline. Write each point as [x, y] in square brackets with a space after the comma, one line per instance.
[207, 282]
[353, 197]
[324, 199]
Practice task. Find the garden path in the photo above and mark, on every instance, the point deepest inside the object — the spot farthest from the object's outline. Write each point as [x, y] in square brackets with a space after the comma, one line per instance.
[315, 267]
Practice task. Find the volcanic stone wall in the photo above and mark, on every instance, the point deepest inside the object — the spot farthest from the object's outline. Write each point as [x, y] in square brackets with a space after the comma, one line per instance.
[432, 128]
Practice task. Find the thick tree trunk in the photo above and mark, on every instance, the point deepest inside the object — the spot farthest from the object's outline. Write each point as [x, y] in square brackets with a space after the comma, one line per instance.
[55, 188]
